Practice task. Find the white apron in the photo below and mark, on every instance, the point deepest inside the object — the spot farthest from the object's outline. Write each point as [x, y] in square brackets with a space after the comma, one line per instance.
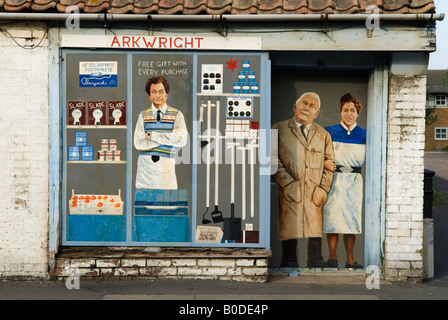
[342, 213]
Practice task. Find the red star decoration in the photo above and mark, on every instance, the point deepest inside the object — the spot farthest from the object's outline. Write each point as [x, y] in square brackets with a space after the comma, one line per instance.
[232, 64]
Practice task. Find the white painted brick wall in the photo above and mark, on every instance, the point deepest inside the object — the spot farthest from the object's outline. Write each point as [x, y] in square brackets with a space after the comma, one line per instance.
[405, 167]
[23, 153]
[245, 269]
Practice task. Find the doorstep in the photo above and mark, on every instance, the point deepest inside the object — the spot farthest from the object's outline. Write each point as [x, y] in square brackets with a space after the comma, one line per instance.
[294, 272]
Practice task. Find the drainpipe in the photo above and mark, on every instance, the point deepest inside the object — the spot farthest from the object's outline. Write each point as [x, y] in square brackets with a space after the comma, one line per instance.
[110, 17]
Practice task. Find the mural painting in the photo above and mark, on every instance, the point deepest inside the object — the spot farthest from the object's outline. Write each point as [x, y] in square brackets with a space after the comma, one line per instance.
[229, 119]
[342, 212]
[320, 182]
[161, 122]
[162, 206]
[176, 141]
[303, 147]
[159, 132]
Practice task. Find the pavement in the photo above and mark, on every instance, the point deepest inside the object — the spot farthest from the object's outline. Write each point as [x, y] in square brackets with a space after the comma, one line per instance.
[278, 293]
[303, 287]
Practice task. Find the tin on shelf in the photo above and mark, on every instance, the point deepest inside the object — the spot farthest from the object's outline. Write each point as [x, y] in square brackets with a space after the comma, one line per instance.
[101, 155]
[251, 76]
[246, 88]
[117, 155]
[113, 144]
[104, 144]
[236, 87]
[242, 76]
[246, 65]
[109, 155]
[254, 88]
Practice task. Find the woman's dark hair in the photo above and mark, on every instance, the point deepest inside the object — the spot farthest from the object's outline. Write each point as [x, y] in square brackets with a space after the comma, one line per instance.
[346, 98]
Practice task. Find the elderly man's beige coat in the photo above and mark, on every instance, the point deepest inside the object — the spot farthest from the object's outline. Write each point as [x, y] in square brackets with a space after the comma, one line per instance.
[304, 182]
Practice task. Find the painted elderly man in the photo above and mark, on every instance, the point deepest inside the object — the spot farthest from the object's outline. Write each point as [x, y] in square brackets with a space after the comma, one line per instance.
[303, 147]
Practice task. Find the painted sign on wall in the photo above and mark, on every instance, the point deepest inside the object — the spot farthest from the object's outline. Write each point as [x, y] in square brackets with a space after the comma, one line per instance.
[98, 73]
[180, 42]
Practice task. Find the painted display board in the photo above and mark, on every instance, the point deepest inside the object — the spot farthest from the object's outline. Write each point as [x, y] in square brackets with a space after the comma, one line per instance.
[162, 148]
[95, 147]
[228, 102]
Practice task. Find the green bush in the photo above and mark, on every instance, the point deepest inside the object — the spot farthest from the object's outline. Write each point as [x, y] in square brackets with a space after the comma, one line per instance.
[439, 198]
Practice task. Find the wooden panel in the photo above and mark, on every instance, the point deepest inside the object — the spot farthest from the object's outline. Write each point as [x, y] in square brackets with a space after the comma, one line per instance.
[375, 166]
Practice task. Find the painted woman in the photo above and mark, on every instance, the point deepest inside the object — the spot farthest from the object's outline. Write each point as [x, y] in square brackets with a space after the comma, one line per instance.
[342, 213]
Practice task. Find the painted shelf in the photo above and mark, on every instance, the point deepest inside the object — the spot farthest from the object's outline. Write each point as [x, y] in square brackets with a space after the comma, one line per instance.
[96, 127]
[98, 162]
[228, 94]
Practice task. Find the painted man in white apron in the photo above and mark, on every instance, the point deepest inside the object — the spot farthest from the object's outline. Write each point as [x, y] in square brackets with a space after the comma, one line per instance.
[159, 132]
[303, 146]
[343, 211]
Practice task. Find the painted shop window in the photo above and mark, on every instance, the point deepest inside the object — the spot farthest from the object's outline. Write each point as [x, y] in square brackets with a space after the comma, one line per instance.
[321, 122]
[440, 133]
[96, 119]
[164, 148]
[440, 100]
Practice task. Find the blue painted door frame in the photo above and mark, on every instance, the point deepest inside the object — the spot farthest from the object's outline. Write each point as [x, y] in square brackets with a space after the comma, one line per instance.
[375, 184]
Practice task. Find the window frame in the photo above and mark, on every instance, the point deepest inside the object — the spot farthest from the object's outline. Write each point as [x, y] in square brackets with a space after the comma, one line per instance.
[440, 133]
[442, 99]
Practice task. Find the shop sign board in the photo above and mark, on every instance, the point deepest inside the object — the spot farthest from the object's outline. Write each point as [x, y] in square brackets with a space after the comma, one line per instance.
[180, 42]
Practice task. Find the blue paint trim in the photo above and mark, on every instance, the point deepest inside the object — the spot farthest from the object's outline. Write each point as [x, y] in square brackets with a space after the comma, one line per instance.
[131, 244]
[375, 187]
[194, 150]
[54, 203]
[63, 165]
[129, 146]
[264, 188]
[265, 180]
[384, 160]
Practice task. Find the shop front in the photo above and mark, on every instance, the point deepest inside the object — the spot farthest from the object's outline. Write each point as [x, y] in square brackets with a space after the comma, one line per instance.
[202, 182]
[225, 194]
[204, 188]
